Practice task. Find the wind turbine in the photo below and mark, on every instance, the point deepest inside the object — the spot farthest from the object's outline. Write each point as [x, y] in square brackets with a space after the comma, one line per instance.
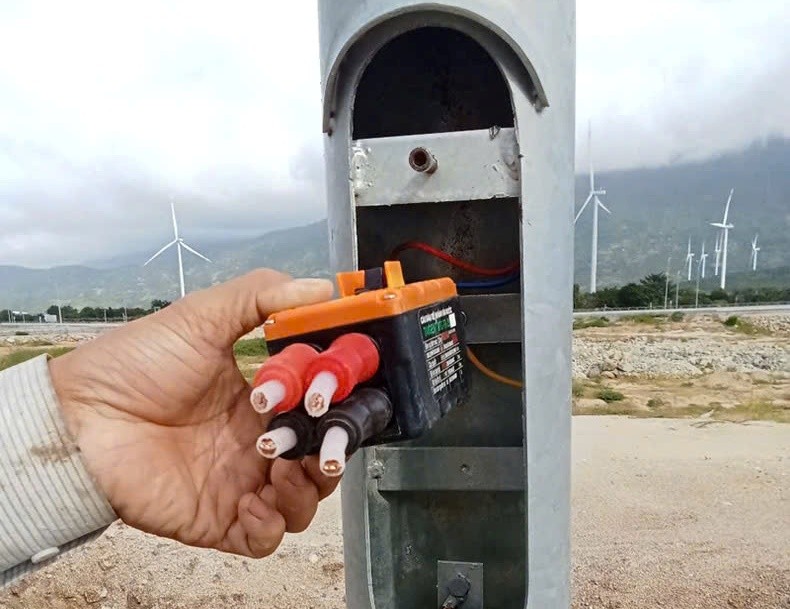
[689, 260]
[593, 196]
[179, 243]
[717, 249]
[753, 256]
[702, 258]
[725, 230]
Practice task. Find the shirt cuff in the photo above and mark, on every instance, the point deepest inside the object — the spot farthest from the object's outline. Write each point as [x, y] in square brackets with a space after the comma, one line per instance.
[48, 501]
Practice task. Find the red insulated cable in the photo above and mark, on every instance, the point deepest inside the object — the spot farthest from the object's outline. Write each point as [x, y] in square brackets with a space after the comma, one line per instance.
[351, 358]
[457, 262]
[289, 367]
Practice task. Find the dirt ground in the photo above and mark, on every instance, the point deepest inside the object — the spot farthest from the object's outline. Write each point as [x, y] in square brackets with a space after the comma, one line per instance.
[666, 513]
[682, 503]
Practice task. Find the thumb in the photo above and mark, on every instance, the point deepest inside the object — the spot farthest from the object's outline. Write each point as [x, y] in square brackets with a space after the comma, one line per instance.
[240, 305]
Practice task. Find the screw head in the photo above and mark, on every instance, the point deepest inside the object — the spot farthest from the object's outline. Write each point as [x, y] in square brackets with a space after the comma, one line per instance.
[459, 586]
[376, 469]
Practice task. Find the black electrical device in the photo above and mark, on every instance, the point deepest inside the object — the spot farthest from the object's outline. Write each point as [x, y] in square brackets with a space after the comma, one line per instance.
[420, 337]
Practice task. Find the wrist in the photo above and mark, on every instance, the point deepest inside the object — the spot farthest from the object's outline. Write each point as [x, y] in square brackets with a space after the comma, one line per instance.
[54, 500]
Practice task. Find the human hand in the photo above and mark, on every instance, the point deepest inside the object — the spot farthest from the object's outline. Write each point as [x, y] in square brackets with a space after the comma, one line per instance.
[162, 417]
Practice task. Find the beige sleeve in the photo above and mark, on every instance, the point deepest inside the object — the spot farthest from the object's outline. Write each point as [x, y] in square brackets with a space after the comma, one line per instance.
[48, 501]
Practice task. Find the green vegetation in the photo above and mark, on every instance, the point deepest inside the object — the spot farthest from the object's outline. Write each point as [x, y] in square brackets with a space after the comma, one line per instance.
[590, 322]
[85, 314]
[757, 410]
[649, 293]
[608, 395]
[577, 389]
[743, 326]
[251, 347]
[23, 355]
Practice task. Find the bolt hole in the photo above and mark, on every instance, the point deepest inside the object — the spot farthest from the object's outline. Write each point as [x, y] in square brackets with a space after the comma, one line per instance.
[422, 161]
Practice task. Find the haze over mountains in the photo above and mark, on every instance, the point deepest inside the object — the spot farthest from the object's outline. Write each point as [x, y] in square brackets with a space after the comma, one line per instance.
[654, 212]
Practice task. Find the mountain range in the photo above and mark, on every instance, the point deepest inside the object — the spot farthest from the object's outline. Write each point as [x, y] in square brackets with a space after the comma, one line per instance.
[654, 213]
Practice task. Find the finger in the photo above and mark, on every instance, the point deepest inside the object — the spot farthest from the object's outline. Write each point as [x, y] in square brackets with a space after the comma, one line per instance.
[297, 494]
[244, 303]
[326, 484]
[261, 526]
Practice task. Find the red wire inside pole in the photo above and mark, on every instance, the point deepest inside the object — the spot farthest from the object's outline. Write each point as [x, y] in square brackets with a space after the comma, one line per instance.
[456, 262]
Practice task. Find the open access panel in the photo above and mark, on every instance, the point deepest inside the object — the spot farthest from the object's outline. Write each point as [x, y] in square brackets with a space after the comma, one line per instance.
[451, 124]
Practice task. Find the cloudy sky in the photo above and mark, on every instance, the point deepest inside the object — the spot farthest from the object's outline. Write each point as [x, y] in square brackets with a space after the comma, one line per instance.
[108, 109]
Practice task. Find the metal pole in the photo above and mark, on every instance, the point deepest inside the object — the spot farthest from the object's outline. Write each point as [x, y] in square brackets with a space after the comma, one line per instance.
[677, 289]
[696, 295]
[594, 256]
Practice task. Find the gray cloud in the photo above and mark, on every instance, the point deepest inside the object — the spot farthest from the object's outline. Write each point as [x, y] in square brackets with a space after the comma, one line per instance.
[105, 115]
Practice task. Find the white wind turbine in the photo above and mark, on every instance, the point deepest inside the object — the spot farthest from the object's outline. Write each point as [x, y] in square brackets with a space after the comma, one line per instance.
[702, 260]
[689, 260]
[717, 249]
[753, 257]
[179, 243]
[593, 196]
[725, 230]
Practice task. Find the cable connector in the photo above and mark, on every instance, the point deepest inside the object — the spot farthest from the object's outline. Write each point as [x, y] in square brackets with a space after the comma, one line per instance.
[291, 436]
[350, 360]
[279, 383]
[345, 427]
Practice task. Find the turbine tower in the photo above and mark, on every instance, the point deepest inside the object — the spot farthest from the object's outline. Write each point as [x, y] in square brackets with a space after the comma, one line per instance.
[753, 257]
[717, 249]
[593, 196]
[702, 261]
[179, 243]
[725, 231]
[689, 260]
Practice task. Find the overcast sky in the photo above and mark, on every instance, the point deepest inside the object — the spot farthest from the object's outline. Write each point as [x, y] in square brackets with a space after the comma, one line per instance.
[107, 109]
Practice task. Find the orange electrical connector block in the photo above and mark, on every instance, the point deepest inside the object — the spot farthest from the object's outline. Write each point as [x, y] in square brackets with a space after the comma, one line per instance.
[396, 343]
[350, 360]
[279, 383]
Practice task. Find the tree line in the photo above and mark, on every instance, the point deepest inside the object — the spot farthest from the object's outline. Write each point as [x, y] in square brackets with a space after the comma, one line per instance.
[85, 314]
[650, 292]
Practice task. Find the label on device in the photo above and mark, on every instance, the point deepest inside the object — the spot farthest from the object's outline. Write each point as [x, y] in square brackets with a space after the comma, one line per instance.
[442, 348]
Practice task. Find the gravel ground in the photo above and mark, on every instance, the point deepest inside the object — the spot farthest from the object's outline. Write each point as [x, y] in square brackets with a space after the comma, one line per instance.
[680, 514]
[699, 346]
[666, 513]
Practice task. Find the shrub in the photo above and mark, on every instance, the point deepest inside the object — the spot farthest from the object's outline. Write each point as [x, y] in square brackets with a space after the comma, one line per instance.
[590, 322]
[608, 395]
[676, 316]
[731, 321]
[655, 403]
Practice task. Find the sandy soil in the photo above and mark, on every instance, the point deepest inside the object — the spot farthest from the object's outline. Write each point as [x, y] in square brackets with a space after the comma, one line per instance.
[666, 513]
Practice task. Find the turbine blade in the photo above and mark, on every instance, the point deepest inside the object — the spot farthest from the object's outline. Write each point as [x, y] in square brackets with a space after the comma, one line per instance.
[173, 242]
[727, 207]
[589, 151]
[175, 224]
[603, 207]
[189, 249]
[581, 210]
